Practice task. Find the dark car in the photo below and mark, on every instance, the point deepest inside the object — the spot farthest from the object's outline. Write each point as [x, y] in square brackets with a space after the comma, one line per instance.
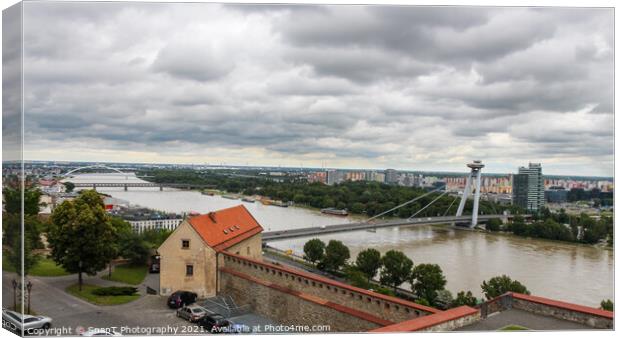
[214, 323]
[181, 298]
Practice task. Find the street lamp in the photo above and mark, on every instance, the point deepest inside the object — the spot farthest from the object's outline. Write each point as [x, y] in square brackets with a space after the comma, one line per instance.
[29, 288]
[14, 294]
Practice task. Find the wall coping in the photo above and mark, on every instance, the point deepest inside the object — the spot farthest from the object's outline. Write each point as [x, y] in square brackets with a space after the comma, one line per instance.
[563, 305]
[424, 322]
[310, 298]
[335, 283]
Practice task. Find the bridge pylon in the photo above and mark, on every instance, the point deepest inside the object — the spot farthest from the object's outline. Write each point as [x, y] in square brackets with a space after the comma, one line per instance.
[473, 178]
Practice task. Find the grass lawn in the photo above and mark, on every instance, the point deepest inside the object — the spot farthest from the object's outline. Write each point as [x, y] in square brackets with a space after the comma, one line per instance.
[513, 328]
[87, 295]
[45, 267]
[129, 274]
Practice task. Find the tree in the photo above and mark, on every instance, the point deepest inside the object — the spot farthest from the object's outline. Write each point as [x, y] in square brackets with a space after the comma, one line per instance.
[499, 285]
[135, 249]
[314, 250]
[81, 235]
[444, 297]
[368, 262]
[396, 268]
[30, 259]
[336, 255]
[357, 278]
[463, 298]
[13, 201]
[69, 186]
[494, 224]
[607, 305]
[426, 280]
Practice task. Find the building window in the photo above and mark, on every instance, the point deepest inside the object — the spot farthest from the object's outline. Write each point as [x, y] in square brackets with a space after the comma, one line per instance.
[189, 270]
[185, 243]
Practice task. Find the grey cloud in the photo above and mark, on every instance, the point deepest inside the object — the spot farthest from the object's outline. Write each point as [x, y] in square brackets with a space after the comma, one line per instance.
[372, 84]
[188, 61]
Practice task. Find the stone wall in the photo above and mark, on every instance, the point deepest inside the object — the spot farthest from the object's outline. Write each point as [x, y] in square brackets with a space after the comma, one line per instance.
[288, 307]
[595, 318]
[448, 320]
[454, 324]
[388, 308]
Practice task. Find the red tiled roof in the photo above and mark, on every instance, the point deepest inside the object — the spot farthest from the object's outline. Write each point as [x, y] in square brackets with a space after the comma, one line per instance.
[335, 283]
[420, 323]
[226, 227]
[564, 305]
[310, 298]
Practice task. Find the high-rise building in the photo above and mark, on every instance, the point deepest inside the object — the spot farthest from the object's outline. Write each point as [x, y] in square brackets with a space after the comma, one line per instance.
[391, 176]
[528, 189]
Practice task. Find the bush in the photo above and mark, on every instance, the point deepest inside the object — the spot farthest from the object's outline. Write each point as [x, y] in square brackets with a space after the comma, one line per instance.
[115, 291]
[607, 305]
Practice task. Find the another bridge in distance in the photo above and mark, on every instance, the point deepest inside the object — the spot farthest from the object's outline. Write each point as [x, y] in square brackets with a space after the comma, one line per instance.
[95, 185]
[331, 229]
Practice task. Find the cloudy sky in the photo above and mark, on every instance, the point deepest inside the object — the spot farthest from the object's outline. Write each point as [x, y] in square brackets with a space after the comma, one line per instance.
[337, 86]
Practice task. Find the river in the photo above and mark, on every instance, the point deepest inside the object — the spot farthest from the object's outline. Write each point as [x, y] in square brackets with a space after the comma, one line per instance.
[564, 271]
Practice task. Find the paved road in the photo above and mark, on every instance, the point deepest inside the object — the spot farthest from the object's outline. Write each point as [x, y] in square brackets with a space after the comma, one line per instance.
[149, 312]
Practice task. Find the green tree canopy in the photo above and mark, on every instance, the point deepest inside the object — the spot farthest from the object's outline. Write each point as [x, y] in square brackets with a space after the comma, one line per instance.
[499, 285]
[607, 305]
[314, 250]
[336, 255]
[396, 268]
[464, 298]
[81, 235]
[494, 224]
[426, 280]
[12, 200]
[368, 262]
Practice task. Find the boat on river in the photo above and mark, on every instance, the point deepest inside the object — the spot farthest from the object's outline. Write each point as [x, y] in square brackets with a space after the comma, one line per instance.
[334, 211]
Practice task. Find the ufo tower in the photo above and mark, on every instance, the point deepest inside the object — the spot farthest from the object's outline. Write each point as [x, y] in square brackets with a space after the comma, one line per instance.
[475, 175]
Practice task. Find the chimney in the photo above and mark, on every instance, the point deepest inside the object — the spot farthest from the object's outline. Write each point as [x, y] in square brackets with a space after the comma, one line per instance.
[212, 216]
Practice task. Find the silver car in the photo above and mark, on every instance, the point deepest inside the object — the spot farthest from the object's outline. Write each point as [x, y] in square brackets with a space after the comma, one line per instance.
[192, 313]
[12, 321]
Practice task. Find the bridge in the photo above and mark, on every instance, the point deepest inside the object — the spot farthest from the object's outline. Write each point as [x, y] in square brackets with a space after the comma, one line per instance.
[95, 185]
[472, 185]
[95, 166]
[332, 229]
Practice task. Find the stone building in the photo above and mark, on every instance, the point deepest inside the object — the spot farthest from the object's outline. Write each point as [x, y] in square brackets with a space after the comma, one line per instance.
[189, 257]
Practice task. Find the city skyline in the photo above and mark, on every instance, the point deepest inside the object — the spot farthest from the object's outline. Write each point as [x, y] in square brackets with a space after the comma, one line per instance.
[321, 86]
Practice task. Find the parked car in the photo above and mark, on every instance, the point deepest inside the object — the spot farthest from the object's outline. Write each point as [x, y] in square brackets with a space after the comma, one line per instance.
[12, 321]
[214, 323]
[181, 298]
[191, 313]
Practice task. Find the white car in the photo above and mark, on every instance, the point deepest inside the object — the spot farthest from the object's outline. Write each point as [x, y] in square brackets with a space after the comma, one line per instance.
[12, 321]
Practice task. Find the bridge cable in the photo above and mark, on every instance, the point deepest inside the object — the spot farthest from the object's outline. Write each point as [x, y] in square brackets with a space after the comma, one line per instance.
[455, 198]
[403, 204]
[428, 205]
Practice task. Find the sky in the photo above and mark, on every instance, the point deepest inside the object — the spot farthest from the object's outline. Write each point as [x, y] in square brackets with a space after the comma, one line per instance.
[411, 88]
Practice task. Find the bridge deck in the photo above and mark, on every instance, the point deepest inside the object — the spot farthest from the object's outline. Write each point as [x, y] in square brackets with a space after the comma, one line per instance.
[330, 229]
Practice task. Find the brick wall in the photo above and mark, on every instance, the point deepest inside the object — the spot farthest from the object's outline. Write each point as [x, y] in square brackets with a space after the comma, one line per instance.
[592, 317]
[288, 307]
[448, 320]
[388, 308]
[595, 318]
